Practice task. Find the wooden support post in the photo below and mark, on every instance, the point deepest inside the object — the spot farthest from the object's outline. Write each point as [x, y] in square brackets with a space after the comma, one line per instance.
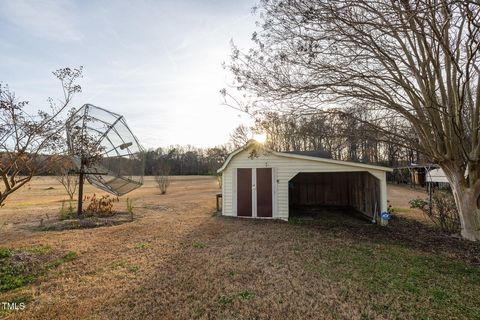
[218, 196]
[80, 190]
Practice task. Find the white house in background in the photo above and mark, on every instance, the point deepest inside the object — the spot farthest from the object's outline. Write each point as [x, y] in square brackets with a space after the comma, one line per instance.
[260, 183]
[436, 175]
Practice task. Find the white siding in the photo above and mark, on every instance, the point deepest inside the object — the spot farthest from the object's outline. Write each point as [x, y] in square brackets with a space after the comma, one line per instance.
[227, 196]
[284, 169]
[437, 175]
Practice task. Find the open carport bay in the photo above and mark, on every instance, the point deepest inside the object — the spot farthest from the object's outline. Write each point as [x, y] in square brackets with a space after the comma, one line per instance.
[324, 193]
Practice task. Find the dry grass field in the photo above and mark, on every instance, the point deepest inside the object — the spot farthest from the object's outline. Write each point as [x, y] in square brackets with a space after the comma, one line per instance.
[178, 260]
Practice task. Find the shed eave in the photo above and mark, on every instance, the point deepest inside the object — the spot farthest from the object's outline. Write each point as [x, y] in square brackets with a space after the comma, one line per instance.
[303, 157]
[234, 153]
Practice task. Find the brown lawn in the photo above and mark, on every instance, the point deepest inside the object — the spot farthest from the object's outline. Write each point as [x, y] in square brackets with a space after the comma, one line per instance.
[177, 260]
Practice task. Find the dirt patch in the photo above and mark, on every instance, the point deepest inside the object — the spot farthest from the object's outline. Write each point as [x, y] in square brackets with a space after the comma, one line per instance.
[85, 223]
[399, 197]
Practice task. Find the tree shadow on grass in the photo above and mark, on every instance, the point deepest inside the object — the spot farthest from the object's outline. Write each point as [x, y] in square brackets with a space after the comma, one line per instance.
[401, 231]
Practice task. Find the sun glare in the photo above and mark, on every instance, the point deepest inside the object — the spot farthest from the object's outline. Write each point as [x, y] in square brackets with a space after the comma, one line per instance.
[260, 137]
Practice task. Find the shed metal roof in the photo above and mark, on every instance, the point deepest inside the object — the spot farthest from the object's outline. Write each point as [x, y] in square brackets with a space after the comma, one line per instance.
[302, 157]
[317, 154]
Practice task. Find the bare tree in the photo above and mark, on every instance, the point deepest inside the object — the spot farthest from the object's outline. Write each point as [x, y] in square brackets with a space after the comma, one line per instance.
[240, 136]
[68, 179]
[162, 178]
[27, 142]
[412, 59]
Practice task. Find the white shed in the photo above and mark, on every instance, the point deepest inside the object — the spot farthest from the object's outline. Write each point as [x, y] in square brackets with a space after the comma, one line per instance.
[260, 183]
[436, 175]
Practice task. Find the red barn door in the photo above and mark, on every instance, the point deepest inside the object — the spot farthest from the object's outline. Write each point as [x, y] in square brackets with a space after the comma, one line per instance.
[244, 192]
[264, 192]
[254, 192]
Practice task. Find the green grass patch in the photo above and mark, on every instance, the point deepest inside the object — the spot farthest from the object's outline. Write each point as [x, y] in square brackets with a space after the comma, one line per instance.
[246, 295]
[401, 210]
[402, 281]
[133, 268]
[5, 253]
[23, 266]
[42, 250]
[66, 258]
[197, 245]
[125, 266]
[225, 300]
[142, 245]
[119, 264]
[14, 276]
[71, 255]
[296, 221]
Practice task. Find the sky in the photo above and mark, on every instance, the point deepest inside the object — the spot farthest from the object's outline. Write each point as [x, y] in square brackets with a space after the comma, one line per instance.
[158, 63]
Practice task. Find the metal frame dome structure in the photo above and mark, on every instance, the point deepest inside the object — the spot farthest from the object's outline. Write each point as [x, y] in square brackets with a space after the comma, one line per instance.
[105, 151]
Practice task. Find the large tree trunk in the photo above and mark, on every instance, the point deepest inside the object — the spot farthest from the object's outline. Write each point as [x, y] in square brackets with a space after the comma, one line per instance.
[467, 198]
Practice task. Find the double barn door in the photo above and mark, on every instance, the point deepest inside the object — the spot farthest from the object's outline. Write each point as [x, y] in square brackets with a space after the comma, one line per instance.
[254, 192]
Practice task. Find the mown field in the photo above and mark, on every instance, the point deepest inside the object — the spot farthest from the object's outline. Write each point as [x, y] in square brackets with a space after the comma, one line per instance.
[179, 260]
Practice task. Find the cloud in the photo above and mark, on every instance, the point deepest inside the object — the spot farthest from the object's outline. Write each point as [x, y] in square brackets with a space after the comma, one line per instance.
[156, 62]
[52, 20]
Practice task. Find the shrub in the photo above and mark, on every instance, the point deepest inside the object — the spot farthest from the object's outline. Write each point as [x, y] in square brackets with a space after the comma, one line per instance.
[162, 178]
[68, 180]
[163, 182]
[443, 212]
[67, 212]
[130, 208]
[100, 205]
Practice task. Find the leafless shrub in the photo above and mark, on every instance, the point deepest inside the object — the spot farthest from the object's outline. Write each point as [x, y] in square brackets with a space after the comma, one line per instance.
[443, 212]
[70, 182]
[67, 178]
[162, 178]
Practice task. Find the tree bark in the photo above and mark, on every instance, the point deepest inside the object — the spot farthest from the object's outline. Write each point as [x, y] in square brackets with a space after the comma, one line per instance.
[467, 198]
